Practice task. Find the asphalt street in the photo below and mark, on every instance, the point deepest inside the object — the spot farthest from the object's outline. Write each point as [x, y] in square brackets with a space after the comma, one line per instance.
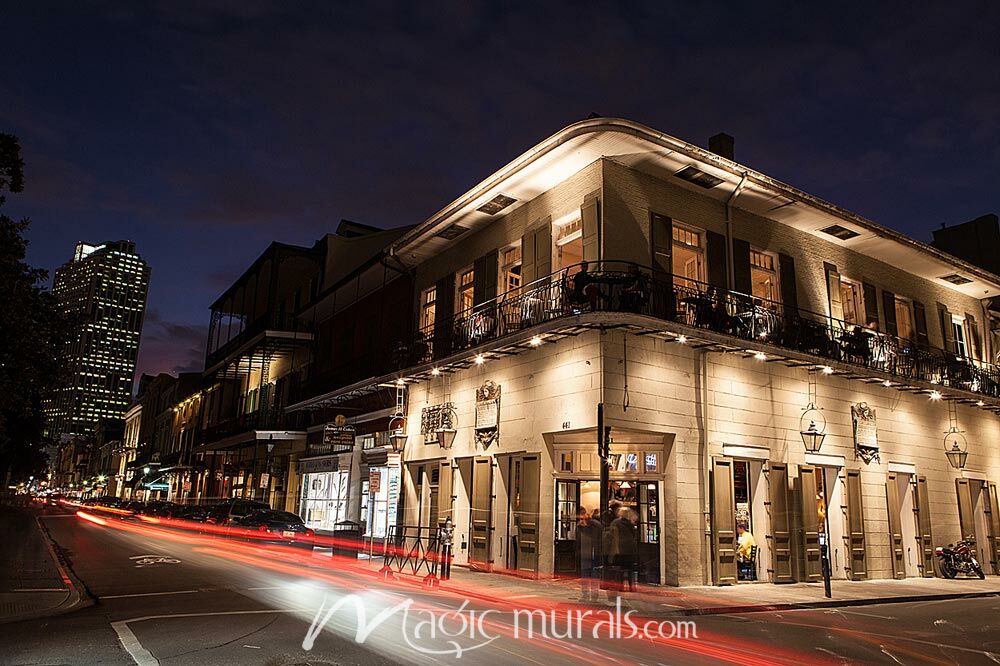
[166, 596]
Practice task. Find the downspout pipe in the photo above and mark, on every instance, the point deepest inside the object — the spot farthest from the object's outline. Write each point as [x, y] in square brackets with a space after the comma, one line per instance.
[730, 263]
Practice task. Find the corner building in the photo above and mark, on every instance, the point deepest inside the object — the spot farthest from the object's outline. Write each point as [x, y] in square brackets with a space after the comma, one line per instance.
[715, 305]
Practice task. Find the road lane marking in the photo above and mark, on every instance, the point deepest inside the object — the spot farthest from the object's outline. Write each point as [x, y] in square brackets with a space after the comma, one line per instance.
[148, 594]
[40, 589]
[143, 657]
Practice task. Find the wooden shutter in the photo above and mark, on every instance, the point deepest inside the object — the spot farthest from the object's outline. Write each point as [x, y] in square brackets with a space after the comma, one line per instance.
[741, 266]
[856, 526]
[526, 513]
[716, 257]
[484, 278]
[896, 554]
[446, 497]
[528, 257]
[833, 296]
[723, 522]
[543, 249]
[993, 522]
[481, 514]
[789, 293]
[589, 219]
[444, 303]
[780, 523]
[972, 338]
[810, 524]
[661, 238]
[920, 323]
[922, 507]
[966, 520]
[871, 303]
[947, 333]
[889, 310]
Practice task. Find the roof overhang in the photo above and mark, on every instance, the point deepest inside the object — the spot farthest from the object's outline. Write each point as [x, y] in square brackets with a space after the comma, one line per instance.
[571, 149]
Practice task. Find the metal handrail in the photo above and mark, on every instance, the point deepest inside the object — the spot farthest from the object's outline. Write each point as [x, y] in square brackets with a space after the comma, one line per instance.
[412, 547]
[613, 286]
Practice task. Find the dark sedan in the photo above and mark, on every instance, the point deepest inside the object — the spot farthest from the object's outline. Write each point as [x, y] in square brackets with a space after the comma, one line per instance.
[275, 527]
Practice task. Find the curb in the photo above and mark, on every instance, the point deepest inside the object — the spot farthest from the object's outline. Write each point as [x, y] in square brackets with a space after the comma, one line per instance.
[77, 596]
[832, 603]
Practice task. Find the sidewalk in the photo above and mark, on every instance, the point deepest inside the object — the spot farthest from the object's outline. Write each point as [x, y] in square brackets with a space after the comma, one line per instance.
[32, 581]
[743, 598]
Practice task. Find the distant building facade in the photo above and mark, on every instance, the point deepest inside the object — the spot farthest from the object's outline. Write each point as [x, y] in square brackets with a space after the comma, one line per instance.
[103, 291]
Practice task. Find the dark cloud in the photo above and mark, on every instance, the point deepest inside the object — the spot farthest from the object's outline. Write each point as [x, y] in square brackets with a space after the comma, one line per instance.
[170, 347]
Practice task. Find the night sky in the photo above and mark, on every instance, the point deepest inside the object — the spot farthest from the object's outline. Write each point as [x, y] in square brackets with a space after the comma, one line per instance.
[205, 130]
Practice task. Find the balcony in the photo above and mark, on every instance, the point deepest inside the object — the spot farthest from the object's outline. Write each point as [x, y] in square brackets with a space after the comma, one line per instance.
[741, 320]
[264, 419]
[233, 338]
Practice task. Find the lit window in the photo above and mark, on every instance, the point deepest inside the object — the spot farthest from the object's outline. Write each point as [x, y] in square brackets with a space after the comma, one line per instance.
[428, 310]
[853, 302]
[764, 276]
[510, 270]
[466, 295]
[688, 257]
[958, 330]
[567, 236]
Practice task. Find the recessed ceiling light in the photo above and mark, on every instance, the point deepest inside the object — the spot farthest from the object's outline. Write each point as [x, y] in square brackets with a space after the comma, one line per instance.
[827, 370]
[980, 403]
[480, 359]
[837, 231]
[496, 204]
[682, 339]
[535, 341]
[436, 372]
[887, 383]
[935, 395]
[760, 356]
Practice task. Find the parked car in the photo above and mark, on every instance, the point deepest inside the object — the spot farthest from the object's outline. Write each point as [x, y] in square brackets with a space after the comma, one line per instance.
[158, 508]
[275, 527]
[53, 499]
[225, 513]
[191, 512]
[135, 506]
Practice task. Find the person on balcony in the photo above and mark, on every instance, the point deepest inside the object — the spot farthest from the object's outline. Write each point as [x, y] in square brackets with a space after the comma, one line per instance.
[585, 291]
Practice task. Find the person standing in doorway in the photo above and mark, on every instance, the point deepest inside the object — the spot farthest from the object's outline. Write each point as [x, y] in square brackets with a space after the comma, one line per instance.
[588, 545]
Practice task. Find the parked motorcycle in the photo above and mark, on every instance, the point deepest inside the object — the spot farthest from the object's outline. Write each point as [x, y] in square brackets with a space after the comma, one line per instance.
[958, 558]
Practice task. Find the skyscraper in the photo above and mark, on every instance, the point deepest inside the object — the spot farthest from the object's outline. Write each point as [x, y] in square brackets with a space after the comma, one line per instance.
[103, 292]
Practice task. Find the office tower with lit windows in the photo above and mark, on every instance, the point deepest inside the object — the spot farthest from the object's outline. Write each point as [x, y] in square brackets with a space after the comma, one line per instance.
[102, 290]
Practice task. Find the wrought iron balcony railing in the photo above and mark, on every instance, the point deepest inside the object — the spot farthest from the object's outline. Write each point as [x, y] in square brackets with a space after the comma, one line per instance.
[624, 287]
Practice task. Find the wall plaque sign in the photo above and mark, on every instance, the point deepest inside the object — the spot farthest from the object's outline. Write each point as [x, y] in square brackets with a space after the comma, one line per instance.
[865, 432]
[433, 418]
[487, 413]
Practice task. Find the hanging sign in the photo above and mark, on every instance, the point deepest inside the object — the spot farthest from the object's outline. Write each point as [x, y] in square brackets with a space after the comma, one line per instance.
[487, 413]
[865, 432]
[338, 437]
[434, 417]
[265, 480]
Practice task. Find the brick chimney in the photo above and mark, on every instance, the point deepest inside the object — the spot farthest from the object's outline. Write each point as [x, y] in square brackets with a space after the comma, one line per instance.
[722, 144]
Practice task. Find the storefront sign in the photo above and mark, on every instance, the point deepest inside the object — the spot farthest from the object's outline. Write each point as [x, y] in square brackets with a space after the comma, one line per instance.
[265, 479]
[374, 481]
[337, 438]
[487, 413]
[316, 465]
[434, 417]
[865, 432]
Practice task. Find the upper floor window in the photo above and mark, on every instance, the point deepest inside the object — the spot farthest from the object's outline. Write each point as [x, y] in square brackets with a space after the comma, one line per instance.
[764, 276]
[427, 309]
[510, 269]
[853, 301]
[904, 319]
[958, 330]
[567, 236]
[465, 295]
[688, 257]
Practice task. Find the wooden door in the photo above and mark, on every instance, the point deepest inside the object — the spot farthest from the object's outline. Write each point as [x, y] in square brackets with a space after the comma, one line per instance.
[811, 526]
[780, 521]
[445, 492]
[922, 507]
[481, 514]
[856, 526]
[897, 556]
[993, 524]
[527, 472]
[966, 519]
[723, 522]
